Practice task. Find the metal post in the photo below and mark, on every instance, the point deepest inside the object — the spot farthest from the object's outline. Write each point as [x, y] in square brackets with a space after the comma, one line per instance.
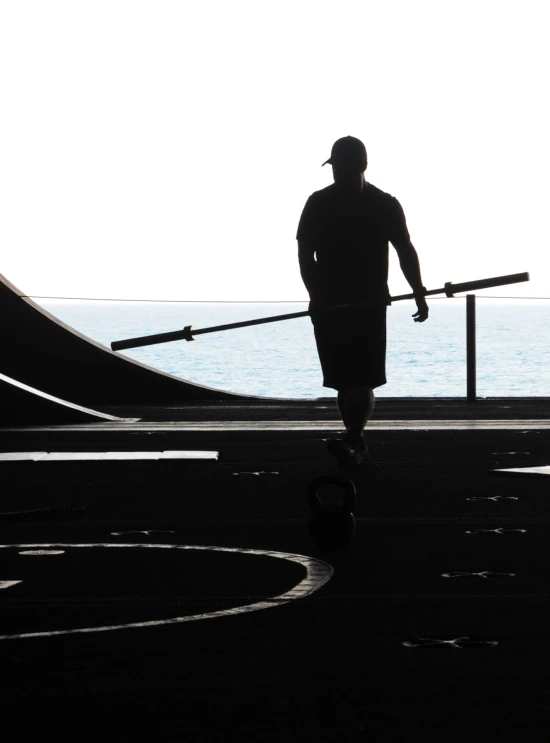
[471, 347]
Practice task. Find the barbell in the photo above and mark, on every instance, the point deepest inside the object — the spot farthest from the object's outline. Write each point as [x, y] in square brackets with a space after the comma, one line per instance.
[188, 333]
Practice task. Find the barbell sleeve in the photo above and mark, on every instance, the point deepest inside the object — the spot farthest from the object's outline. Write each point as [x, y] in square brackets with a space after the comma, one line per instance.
[451, 289]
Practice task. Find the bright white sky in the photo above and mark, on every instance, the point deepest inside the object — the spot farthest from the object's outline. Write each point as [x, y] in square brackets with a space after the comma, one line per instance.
[165, 148]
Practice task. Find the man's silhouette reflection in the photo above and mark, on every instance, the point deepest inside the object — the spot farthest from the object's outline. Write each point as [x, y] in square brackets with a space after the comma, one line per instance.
[343, 238]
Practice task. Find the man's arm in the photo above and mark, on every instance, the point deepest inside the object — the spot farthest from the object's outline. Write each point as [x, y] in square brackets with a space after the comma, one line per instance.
[408, 260]
[307, 236]
[308, 266]
[410, 265]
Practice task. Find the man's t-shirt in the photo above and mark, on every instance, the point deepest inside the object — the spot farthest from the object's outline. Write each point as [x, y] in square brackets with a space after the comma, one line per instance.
[349, 233]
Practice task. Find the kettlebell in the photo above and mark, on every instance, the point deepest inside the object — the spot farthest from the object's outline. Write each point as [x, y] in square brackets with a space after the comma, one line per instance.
[332, 524]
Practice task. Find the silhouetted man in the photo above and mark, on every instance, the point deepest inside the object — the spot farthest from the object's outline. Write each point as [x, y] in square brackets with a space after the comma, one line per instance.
[343, 238]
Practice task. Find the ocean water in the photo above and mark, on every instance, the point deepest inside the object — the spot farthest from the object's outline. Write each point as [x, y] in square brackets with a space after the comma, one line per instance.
[280, 359]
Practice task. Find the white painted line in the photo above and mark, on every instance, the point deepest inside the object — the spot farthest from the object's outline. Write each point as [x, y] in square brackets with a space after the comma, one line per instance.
[9, 583]
[22, 456]
[458, 643]
[256, 473]
[36, 553]
[499, 530]
[127, 455]
[73, 456]
[147, 532]
[189, 455]
[101, 456]
[524, 426]
[317, 574]
[482, 574]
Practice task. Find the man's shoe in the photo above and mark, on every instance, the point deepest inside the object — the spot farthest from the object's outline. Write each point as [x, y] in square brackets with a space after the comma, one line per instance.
[347, 454]
[363, 451]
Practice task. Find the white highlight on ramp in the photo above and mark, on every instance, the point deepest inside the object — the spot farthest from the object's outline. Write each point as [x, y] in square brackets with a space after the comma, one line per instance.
[317, 574]
[9, 583]
[62, 403]
[542, 470]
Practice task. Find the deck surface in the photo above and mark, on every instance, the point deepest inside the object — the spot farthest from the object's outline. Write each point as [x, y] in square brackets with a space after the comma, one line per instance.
[221, 621]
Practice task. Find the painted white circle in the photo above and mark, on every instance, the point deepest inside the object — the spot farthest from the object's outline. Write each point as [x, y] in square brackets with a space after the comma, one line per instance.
[317, 574]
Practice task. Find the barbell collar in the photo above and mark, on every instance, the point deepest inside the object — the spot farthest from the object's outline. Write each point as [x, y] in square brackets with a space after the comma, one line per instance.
[448, 289]
[188, 334]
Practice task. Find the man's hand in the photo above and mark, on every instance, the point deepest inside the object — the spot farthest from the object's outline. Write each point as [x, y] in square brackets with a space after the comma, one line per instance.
[422, 310]
[408, 260]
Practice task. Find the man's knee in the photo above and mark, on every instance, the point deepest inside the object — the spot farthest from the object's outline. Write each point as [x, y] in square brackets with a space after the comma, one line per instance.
[357, 394]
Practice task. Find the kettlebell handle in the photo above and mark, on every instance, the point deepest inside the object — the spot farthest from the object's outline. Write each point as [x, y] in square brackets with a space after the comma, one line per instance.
[343, 482]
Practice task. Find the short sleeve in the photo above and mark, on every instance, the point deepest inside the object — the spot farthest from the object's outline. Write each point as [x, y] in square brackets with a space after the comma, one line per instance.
[308, 226]
[398, 232]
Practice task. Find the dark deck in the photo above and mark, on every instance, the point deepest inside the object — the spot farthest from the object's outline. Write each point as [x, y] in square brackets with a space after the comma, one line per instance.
[344, 663]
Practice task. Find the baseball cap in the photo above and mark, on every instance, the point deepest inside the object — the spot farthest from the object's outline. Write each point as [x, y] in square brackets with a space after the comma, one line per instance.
[348, 150]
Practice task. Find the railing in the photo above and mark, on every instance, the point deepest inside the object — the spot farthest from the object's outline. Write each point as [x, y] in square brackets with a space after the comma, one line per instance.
[475, 334]
[471, 376]
[531, 345]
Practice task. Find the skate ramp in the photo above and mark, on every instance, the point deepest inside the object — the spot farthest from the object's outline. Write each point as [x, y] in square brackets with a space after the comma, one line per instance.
[41, 351]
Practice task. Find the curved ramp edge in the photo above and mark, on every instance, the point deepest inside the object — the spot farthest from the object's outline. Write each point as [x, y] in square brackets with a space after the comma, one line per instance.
[41, 351]
[21, 404]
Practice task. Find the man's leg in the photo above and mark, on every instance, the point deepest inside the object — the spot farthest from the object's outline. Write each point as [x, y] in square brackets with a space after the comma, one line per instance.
[341, 400]
[356, 405]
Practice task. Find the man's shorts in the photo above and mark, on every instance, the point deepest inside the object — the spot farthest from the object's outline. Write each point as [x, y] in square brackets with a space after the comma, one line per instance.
[352, 347]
